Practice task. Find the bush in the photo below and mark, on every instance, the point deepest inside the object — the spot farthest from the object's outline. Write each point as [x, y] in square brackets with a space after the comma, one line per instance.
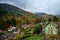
[38, 29]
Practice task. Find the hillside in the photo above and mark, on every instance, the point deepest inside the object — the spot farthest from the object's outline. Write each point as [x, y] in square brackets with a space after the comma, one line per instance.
[9, 13]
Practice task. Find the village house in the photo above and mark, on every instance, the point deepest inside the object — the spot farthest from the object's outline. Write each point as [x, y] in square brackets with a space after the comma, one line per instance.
[13, 29]
[51, 29]
[27, 25]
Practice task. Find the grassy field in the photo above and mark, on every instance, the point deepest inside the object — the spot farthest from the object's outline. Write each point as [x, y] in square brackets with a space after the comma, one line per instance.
[35, 37]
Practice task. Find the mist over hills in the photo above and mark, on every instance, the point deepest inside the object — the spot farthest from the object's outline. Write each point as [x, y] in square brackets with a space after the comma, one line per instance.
[42, 14]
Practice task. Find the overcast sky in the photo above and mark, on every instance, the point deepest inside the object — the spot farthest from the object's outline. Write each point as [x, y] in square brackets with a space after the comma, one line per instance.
[47, 6]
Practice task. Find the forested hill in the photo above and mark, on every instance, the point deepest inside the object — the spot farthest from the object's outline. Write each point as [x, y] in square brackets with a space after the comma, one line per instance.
[9, 12]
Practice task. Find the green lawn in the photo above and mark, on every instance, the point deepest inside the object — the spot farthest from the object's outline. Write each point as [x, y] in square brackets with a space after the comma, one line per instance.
[35, 37]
